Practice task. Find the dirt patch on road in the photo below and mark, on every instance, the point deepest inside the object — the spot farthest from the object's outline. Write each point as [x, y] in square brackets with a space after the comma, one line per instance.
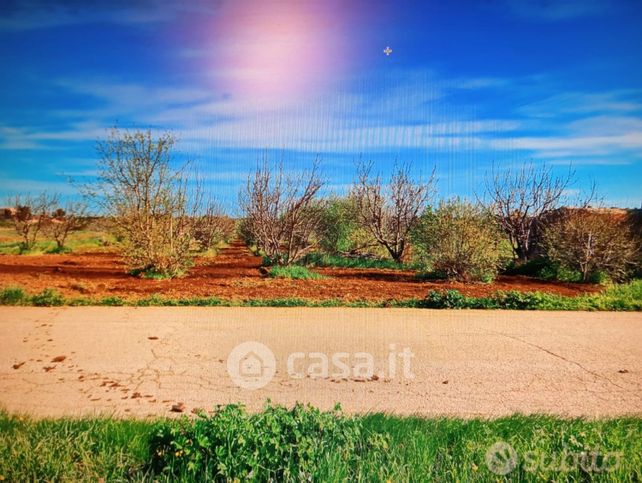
[235, 274]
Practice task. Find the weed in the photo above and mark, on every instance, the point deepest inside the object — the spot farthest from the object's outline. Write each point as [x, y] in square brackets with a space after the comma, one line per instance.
[112, 301]
[48, 298]
[295, 272]
[277, 444]
[13, 296]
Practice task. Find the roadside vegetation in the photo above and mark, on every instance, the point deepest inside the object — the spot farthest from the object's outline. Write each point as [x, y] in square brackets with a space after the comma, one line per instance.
[621, 297]
[303, 443]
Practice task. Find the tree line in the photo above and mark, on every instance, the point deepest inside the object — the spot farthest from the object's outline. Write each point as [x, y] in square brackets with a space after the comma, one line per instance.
[163, 217]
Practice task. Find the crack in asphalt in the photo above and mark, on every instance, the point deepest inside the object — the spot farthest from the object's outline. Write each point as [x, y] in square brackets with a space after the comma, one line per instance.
[570, 361]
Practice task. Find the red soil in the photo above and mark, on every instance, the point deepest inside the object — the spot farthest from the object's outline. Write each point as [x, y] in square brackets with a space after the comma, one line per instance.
[235, 274]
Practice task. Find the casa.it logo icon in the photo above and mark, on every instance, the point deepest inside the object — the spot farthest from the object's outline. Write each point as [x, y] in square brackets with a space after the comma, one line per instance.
[251, 365]
[501, 458]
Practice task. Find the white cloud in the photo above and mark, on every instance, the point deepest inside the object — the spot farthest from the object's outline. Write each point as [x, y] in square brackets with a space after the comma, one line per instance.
[578, 103]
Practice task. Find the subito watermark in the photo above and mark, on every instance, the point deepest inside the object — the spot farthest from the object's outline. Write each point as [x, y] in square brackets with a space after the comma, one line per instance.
[501, 459]
[252, 365]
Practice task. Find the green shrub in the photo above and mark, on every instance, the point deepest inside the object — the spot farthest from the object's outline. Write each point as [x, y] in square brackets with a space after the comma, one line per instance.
[13, 296]
[154, 300]
[460, 240]
[338, 223]
[295, 272]
[278, 444]
[529, 268]
[618, 297]
[48, 298]
[450, 299]
[112, 301]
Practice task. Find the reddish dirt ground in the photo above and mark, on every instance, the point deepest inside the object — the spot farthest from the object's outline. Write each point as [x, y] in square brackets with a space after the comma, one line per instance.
[235, 274]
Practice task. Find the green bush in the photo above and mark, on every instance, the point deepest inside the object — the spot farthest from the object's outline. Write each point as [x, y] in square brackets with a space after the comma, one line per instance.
[13, 296]
[278, 444]
[618, 297]
[450, 299]
[294, 271]
[112, 301]
[542, 267]
[48, 298]
[338, 222]
[340, 231]
[460, 240]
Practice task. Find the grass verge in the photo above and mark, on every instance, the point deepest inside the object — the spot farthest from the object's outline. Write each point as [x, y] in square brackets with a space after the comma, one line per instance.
[625, 297]
[303, 443]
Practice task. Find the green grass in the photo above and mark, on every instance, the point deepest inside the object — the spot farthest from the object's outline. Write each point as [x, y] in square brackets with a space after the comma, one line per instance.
[295, 272]
[624, 297]
[303, 443]
[85, 240]
[317, 259]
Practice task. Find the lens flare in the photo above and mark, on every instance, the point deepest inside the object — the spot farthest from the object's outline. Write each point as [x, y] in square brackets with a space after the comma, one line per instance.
[269, 49]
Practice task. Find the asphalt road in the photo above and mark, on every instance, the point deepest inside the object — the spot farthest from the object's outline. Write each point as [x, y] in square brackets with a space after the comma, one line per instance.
[143, 361]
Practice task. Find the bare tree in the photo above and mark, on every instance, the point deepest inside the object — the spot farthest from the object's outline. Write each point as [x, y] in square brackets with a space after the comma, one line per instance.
[65, 221]
[389, 212]
[148, 200]
[30, 214]
[281, 212]
[212, 227]
[591, 241]
[519, 199]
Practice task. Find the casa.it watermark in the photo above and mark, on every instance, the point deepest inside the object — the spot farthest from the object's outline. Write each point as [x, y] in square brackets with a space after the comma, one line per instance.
[252, 365]
[502, 459]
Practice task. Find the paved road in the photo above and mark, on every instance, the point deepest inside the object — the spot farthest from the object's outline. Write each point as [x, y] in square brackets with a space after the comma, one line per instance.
[141, 361]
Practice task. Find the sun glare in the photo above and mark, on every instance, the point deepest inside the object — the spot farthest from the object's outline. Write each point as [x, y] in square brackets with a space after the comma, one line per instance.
[279, 49]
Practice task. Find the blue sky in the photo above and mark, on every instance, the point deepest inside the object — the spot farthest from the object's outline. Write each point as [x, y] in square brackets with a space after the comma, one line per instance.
[468, 85]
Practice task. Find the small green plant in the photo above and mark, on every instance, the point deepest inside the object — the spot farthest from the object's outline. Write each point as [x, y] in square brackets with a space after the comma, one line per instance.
[13, 296]
[153, 300]
[152, 274]
[450, 299]
[112, 301]
[278, 444]
[295, 272]
[48, 298]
